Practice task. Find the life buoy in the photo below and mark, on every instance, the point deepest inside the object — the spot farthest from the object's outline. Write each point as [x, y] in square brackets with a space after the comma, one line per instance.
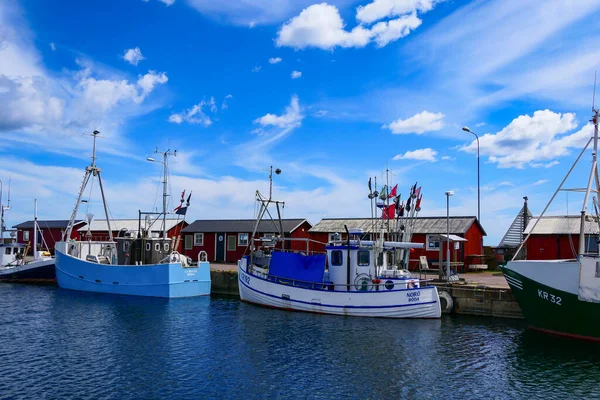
[446, 302]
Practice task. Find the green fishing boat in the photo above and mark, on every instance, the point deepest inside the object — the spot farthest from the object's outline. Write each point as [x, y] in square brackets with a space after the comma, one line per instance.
[562, 297]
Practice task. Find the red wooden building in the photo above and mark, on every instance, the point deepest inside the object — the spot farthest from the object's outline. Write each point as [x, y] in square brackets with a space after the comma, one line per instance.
[52, 232]
[557, 237]
[226, 240]
[426, 230]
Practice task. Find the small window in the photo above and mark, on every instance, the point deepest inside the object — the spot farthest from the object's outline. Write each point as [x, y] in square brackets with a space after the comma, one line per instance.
[25, 236]
[337, 258]
[7, 251]
[166, 246]
[125, 246]
[364, 257]
[148, 246]
[242, 239]
[230, 243]
[15, 250]
[157, 246]
[198, 239]
[189, 242]
[432, 243]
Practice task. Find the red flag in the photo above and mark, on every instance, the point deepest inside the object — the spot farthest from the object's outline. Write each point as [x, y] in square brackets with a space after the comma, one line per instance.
[417, 192]
[389, 212]
[418, 206]
[393, 192]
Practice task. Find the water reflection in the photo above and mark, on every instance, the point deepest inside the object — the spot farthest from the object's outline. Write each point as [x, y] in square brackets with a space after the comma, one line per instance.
[62, 344]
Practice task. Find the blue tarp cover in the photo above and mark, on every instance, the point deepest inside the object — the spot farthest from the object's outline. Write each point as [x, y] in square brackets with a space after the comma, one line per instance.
[297, 266]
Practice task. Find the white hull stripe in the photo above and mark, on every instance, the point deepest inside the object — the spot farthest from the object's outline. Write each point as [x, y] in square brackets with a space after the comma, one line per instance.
[334, 306]
[514, 282]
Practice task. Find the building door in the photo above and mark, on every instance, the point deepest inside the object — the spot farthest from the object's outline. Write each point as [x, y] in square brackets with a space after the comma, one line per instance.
[220, 254]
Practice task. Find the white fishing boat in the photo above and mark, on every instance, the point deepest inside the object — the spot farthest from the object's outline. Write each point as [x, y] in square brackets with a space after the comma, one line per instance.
[355, 277]
[14, 266]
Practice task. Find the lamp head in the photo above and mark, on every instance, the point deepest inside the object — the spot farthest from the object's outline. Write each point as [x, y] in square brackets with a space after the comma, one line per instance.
[278, 171]
[466, 129]
[450, 193]
[150, 159]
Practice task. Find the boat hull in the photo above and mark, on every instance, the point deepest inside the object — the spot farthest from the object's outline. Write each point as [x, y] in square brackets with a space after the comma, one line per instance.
[158, 280]
[547, 293]
[408, 303]
[41, 271]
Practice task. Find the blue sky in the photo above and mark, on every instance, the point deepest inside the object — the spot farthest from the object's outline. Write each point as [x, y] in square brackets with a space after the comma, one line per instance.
[331, 93]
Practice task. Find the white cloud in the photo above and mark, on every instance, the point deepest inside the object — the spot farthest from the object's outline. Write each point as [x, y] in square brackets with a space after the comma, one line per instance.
[224, 105]
[419, 123]
[540, 182]
[479, 124]
[390, 31]
[274, 60]
[379, 9]
[168, 2]
[321, 113]
[291, 118]
[530, 139]
[427, 154]
[133, 56]
[256, 68]
[542, 165]
[150, 80]
[296, 74]
[195, 114]
[506, 183]
[448, 158]
[52, 46]
[321, 26]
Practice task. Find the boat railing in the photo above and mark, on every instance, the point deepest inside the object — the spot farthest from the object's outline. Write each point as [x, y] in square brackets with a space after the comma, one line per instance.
[82, 249]
[327, 285]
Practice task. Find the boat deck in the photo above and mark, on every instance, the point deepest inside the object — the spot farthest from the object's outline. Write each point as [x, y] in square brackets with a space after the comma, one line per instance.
[489, 279]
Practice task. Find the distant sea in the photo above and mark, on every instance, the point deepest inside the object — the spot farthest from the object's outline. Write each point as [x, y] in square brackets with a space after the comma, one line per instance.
[58, 344]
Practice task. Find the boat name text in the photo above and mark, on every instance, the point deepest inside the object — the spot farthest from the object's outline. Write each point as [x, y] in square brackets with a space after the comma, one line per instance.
[245, 278]
[549, 297]
[413, 297]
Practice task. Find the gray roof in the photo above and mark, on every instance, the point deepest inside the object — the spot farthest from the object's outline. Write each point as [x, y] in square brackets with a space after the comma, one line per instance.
[62, 224]
[241, 225]
[561, 225]
[423, 225]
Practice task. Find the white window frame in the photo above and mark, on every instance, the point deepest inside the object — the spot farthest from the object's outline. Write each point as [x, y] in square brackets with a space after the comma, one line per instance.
[26, 236]
[239, 242]
[427, 241]
[198, 242]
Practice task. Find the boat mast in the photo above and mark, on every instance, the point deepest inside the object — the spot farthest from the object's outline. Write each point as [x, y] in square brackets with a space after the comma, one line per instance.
[90, 171]
[35, 228]
[593, 176]
[165, 154]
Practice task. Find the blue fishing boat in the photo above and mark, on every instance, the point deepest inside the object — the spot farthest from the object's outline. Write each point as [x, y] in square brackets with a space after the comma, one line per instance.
[135, 263]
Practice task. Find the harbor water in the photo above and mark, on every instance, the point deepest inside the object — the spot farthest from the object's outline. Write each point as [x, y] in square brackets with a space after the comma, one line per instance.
[58, 344]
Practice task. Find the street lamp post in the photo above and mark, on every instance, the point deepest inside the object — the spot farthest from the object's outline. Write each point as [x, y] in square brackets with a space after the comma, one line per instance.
[448, 194]
[466, 129]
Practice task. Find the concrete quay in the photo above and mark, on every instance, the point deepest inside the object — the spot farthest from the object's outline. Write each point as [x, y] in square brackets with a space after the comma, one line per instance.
[483, 294]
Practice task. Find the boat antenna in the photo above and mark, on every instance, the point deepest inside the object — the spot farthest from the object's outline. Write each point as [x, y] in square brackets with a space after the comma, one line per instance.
[594, 95]
[165, 155]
